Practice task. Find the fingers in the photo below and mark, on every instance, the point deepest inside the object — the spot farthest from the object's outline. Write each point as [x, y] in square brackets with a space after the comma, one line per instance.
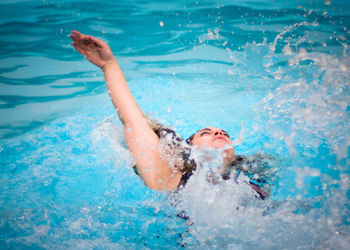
[96, 41]
[80, 41]
[76, 35]
[83, 41]
[79, 49]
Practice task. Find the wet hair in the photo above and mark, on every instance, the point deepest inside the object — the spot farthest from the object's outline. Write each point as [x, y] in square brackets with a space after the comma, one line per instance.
[174, 146]
[190, 139]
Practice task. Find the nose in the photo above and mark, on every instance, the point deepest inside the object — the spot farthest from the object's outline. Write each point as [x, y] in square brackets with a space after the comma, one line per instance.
[218, 133]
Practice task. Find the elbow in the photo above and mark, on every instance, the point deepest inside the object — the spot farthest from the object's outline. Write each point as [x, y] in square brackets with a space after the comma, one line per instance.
[157, 187]
[160, 185]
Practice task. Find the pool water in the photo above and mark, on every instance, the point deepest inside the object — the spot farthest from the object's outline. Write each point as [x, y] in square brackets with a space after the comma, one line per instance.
[274, 75]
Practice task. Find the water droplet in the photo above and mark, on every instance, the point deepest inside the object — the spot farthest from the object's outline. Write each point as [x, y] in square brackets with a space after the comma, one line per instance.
[343, 67]
[287, 50]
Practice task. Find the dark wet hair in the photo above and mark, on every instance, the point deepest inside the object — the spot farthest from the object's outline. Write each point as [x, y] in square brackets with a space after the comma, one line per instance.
[190, 139]
[189, 164]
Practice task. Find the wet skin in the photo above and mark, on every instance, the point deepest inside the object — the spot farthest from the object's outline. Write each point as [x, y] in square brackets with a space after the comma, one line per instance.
[216, 138]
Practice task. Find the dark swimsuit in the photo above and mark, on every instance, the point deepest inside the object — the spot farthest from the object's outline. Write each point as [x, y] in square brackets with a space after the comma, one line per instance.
[256, 184]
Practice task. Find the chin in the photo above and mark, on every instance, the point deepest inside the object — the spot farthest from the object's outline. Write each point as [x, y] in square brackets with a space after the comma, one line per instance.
[219, 145]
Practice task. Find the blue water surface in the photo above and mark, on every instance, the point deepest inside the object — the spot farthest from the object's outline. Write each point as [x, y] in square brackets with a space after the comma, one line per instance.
[275, 75]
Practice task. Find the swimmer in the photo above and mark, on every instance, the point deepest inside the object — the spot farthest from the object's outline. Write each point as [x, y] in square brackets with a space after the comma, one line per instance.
[143, 140]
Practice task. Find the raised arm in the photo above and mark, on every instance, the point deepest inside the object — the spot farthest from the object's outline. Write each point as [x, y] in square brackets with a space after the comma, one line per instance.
[141, 139]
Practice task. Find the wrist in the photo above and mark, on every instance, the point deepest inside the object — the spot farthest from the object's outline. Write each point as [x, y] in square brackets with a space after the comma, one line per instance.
[109, 65]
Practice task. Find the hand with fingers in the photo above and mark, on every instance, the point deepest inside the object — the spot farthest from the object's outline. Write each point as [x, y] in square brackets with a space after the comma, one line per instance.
[95, 50]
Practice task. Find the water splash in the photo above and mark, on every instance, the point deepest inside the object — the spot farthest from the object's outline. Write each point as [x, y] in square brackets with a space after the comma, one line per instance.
[316, 109]
[228, 214]
[109, 132]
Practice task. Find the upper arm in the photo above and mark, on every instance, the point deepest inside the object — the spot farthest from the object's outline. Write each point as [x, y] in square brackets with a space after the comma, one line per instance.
[144, 145]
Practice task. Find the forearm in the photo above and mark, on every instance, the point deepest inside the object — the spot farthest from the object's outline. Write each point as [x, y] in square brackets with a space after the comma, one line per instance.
[128, 110]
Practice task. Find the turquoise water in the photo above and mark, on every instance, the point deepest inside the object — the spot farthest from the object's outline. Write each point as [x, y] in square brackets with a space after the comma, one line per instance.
[274, 75]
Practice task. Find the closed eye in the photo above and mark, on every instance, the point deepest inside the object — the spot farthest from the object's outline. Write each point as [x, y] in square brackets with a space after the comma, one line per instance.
[204, 133]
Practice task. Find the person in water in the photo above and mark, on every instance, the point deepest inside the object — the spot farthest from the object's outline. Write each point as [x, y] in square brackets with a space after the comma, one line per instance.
[142, 138]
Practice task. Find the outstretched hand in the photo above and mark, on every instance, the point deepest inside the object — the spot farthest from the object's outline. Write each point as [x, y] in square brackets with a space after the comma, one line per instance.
[95, 50]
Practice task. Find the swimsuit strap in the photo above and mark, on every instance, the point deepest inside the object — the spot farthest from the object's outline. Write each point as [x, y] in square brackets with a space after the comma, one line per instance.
[184, 179]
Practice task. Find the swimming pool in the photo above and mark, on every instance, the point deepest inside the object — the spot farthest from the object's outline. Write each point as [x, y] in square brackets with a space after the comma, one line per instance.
[276, 76]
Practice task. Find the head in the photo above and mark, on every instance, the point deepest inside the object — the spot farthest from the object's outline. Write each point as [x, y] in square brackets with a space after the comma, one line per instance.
[212, 137]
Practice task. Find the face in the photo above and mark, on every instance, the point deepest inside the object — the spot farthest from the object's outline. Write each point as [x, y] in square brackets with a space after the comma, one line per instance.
[215, 138]
[211, 137]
